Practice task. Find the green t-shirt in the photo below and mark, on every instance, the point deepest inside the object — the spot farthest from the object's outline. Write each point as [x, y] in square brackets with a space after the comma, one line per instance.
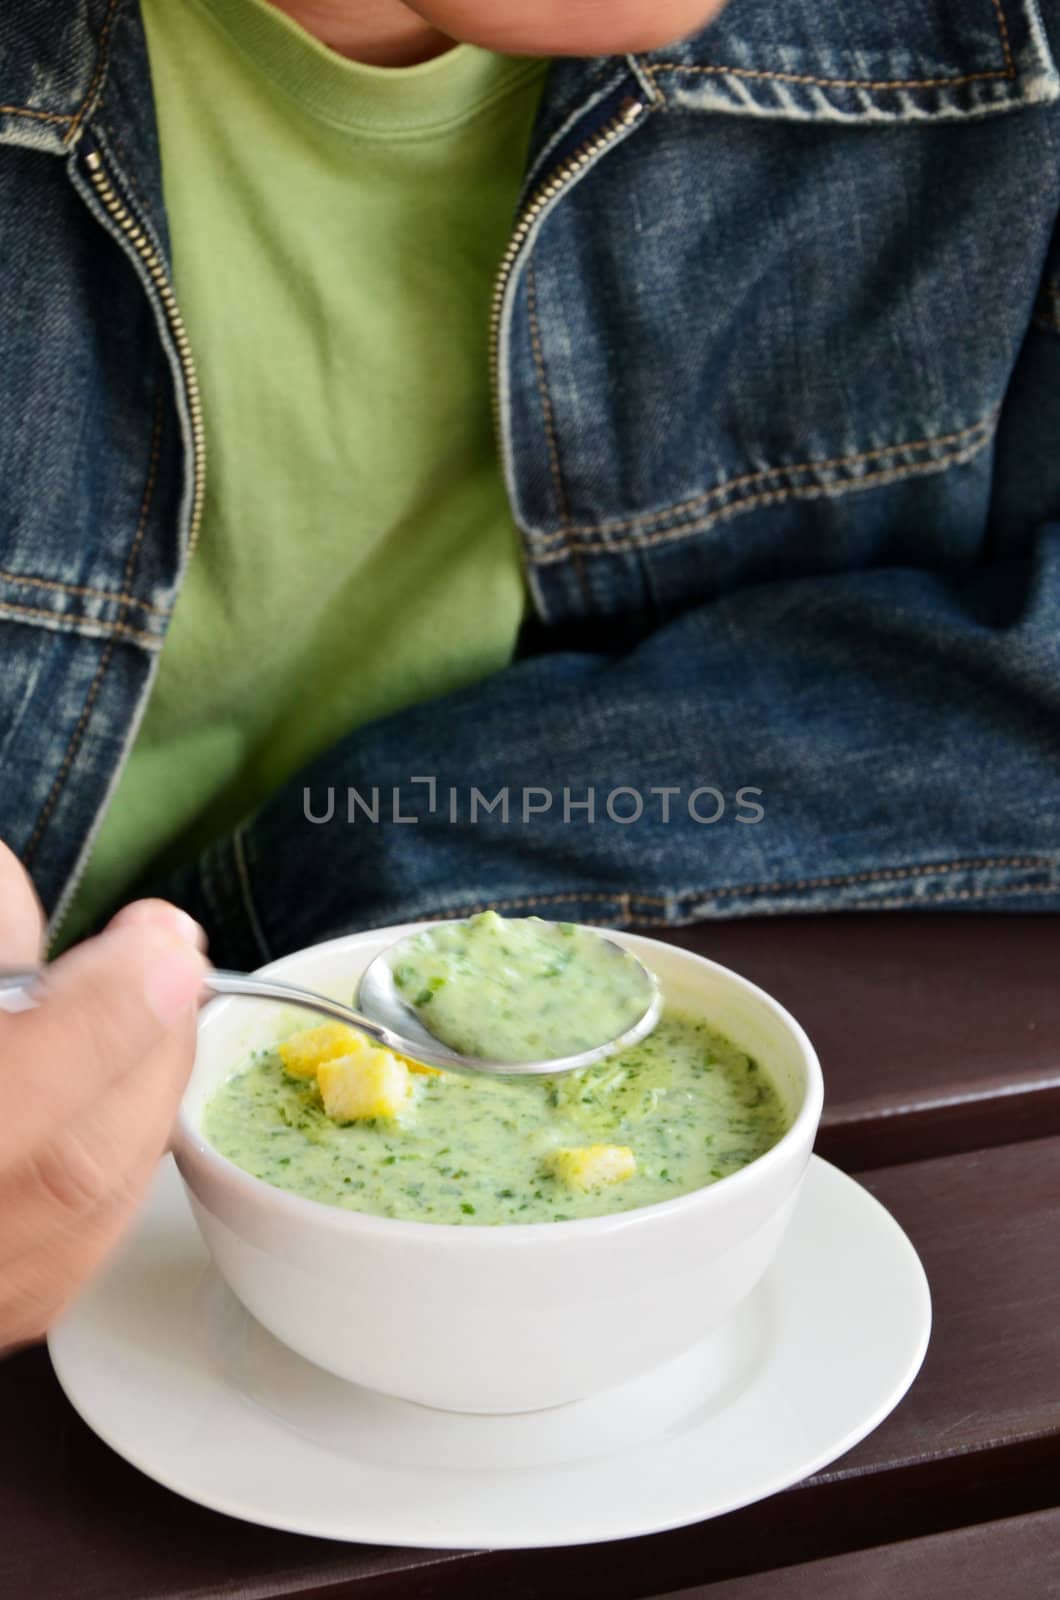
[336, 232]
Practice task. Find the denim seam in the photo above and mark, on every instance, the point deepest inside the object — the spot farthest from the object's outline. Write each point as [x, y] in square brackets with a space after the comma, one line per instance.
[72, 121]
[11, 610]
[890, 903]
[105, 659]
[542, 389]
[243, 874]
[98, 75]
[827, 464]
[550, 425]
[121, 597]
[808, 491]
[950, 897]
[35, 116]
[880, 875]
[831, 83]
[1006, 43]
[627, 899]
[1007, 71]
[641, 68]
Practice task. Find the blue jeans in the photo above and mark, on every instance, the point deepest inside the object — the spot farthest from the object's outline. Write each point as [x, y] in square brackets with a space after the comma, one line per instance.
[778, 392]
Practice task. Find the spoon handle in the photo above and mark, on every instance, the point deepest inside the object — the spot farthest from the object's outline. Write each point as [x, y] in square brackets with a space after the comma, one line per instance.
[252, 988]
[23, 988]
[17, 986]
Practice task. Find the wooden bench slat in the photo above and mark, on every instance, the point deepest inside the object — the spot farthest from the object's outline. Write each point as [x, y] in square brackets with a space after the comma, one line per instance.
[1017, 1557]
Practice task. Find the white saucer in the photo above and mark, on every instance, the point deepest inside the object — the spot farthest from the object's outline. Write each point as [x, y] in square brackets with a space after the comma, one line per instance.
[165, 1365]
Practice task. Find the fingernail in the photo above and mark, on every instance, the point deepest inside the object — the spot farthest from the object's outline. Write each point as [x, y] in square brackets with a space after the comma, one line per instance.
[172, 983]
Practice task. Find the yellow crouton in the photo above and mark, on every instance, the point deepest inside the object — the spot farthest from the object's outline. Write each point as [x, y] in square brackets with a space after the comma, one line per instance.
[591, 1166]
[303, 1052]
[369, 1083]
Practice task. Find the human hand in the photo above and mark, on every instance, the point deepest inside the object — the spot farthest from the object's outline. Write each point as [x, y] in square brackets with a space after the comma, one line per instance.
[90, 1081]
[559, 27]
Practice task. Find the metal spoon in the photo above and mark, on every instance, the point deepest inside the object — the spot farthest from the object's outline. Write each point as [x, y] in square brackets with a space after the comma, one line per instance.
[383, 1014]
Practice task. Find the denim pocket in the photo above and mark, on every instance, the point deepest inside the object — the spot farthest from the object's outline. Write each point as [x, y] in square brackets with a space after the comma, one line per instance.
[771, 332]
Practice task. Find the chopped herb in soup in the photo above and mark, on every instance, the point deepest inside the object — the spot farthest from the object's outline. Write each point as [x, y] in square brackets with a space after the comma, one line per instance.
[521, 989]
[329, 1116]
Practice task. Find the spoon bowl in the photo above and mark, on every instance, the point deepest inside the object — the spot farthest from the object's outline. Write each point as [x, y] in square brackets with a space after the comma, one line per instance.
[379, 999]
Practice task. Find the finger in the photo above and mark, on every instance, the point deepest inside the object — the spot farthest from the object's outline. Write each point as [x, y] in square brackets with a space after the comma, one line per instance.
[107, 1005]
[161, 914]
[21, 917]
[90, 1166]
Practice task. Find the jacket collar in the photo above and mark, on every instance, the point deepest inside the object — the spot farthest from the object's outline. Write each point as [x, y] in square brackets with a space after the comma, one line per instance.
[53, 64]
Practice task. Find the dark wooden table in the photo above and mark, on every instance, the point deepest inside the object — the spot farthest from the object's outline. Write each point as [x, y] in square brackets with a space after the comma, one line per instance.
[940, 1038]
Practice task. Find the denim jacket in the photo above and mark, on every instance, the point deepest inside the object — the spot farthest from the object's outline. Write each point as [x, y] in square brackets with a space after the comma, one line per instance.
[777, 381]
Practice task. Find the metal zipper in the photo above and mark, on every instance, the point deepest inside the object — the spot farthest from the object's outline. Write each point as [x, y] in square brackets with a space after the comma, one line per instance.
[628, 113]
[153, 264]
[155, 268]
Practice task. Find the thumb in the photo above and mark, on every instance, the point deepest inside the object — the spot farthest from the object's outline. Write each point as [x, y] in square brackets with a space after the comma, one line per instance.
[21, 917]
[104, 1008]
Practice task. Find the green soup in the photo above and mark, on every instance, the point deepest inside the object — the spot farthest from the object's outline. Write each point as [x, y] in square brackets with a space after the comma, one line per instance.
[474, 1150]
[521, 989]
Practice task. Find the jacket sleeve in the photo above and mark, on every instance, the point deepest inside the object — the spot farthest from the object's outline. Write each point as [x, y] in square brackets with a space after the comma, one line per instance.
[886, 738]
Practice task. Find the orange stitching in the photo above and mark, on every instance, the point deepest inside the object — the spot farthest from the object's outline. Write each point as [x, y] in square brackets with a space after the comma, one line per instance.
[995, 892]
[810, 491]
[1002, 28]
[71, 751]
[629, 899]
[542, 388]
[105, 659]
[116, 630]
[36, 116]
[875, 875]
[617, 896]
[82, 589]
[101, 67]
[648, 81]
[891, 903]
[872, 875]
[835, 83]
[149, 493]
[76, 119]
[720, 490]
[848, 879]
[1008, 71]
